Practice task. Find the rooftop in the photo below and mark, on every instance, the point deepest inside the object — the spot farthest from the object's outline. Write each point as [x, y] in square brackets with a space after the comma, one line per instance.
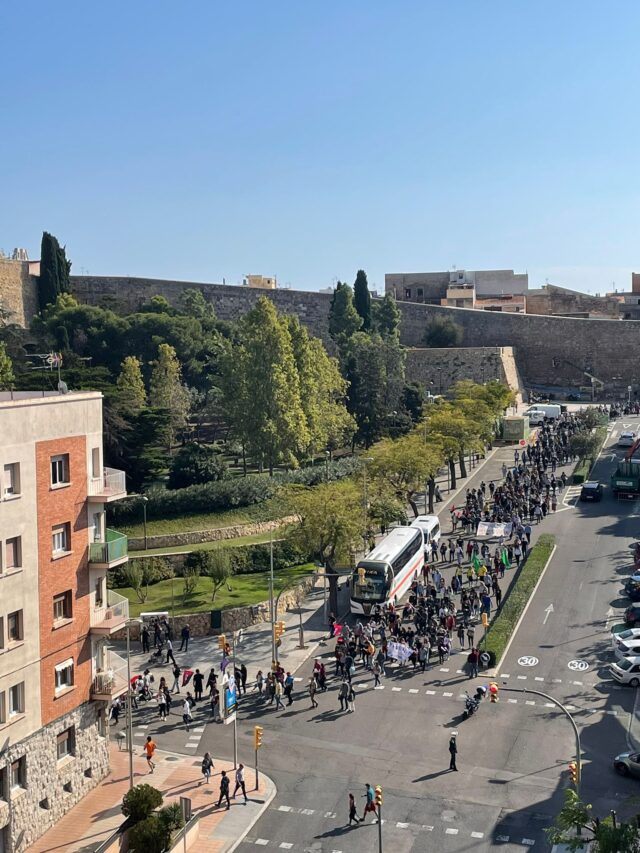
[38, 398]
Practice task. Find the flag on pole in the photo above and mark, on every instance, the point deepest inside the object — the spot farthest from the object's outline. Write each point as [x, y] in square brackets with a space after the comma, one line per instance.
[504, 556]
[475, 562]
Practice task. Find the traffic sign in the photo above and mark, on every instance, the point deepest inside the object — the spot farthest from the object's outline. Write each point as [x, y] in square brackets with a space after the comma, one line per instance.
[485, 658]
[528, 660]
[578, 665]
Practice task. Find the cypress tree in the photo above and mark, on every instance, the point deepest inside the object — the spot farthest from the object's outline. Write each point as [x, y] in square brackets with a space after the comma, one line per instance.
[362, 299]
[54, 271]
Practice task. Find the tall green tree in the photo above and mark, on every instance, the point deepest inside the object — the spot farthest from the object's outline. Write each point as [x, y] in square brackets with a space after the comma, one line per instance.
[132, 396]
[386, 316]
[54, 271]
[166, 391]
[261, 388]
[322, 391]
[363, 366]
[405, 466]
[6, 370]
[344, 320]
[362, 299]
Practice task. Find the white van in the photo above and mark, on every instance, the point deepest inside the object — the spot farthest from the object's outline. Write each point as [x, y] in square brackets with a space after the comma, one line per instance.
[536, 416]
[430, 526]
[549, 410]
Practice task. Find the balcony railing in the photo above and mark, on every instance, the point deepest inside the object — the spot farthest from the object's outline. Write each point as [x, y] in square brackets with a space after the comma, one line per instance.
[109, 486]
[112, 680]
[107, 619]
[113, 550]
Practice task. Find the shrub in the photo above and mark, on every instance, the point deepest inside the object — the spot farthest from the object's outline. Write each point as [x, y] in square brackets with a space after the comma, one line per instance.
[256, 558]
[153, 569]
[153, 834]
[227, 494]
[443, 332]
[140, 801]
[194, 464]
[215, 563]
[503, 626]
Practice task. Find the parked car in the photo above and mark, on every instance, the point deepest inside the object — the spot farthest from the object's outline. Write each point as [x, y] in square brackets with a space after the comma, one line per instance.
[632, 589]
[591, 491]
[632, 616]
[626, 439]
[628, 648]
[627, 763]
[624, 636]
[626, 671]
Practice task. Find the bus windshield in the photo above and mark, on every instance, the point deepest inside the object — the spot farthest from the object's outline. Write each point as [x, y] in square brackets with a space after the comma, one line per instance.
[370, 581]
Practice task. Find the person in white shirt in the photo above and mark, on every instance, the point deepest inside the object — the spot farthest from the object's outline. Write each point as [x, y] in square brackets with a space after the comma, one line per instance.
[240, 782]
[186, 713]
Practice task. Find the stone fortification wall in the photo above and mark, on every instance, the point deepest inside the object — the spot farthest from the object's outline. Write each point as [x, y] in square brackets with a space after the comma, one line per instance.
[18, 291]
[214, 534]
[545, 347]
[438, 369]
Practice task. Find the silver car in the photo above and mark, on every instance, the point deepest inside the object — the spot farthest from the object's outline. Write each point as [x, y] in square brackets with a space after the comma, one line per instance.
[627, 763]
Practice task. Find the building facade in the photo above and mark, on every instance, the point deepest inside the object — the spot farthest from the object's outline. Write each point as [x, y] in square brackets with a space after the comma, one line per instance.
[57, 674]
[492, 290]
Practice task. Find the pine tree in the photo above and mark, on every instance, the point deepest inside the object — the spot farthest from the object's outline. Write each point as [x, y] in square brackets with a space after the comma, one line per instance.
[362, 299]
[6, 370]
[132, 397]
[166, 391]
[54, 271]
[386, 317]
[344, 320]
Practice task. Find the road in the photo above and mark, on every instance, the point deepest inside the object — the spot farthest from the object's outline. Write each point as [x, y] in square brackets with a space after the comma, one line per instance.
[513, 755]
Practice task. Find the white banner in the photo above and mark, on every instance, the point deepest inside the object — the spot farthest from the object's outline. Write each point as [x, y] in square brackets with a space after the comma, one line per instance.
[399, 651]
[491, 529]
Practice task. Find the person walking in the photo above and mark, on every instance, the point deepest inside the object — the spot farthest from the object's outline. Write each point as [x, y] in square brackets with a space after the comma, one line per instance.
[240, 783]
[243, 678]
[198, 681]
[288, 689]
[144, 636]
[351, 699]
[353, 812]
[206, 768]
[278, 694]
[224, 790]
[312, 691]
[185, 634]
[115, 710]
[170, 656]
[161, 699]
[377, 671]
[343, 692]
[186, 713]
[461, 634]
[370, 805]
[473, 660]
[149, 752]
[176, 671]
[453, 751]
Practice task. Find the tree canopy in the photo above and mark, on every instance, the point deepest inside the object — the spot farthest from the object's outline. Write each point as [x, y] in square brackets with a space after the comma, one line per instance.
[443, 332]
[54, 271]
[362, 299]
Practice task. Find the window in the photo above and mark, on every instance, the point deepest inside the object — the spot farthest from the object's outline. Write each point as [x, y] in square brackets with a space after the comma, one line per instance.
[62, 607]
[100, 592]
[19, 773]
[407, 293]
[64, 674]
[3, 712]
[13, 553]
[14, 626]
[61, 539]
[16, 699]
[420, 291]
[3, 786]
[11, 480]
[95, 463]
[60, 469]
[66, 743]
[1, 633]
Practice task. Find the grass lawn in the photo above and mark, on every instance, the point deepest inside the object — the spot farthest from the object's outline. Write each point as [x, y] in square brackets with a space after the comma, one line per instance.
[238, 542]
[266, 511]
[246, 589]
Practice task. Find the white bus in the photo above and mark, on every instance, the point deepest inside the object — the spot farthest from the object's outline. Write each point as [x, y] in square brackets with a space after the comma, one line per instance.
[386, 573]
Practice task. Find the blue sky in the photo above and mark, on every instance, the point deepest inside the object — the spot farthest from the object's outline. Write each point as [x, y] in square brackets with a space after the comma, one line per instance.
[204, 140]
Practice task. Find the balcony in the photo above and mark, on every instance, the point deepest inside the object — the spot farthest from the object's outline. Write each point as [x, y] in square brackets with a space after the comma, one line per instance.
[112, 680]
[109, 487]
[106, 620]
[110, 553]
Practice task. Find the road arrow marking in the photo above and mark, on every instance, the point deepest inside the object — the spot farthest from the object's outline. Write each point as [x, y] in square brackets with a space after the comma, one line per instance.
[547, 611]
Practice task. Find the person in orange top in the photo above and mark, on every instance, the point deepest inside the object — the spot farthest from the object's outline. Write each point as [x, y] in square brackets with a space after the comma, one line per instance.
[149, 751]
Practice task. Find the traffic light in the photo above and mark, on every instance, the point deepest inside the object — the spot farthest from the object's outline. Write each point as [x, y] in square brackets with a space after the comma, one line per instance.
[257, 736]
[493, 691]
[379, 798]
[222, 641]
[574, 773]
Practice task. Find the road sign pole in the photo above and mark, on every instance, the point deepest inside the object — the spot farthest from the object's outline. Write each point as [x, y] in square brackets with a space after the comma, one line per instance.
[380, 829]
[256, 769]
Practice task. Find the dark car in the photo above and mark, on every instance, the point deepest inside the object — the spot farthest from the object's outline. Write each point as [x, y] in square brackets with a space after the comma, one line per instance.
[591, 491]
[632, 615]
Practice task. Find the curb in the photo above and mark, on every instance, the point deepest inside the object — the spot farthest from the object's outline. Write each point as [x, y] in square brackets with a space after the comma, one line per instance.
[268, 800]
[523, 614]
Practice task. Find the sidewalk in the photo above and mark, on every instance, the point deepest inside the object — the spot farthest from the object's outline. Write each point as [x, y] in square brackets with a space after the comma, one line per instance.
[98, 815]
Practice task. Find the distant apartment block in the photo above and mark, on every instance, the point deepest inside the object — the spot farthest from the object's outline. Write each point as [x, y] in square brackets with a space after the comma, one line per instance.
[489, 290]
[57, 674]
[266, 282]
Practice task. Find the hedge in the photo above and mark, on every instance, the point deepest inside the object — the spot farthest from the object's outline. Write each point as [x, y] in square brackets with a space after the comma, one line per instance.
[583, 468]
[502, 627]
[227, 494]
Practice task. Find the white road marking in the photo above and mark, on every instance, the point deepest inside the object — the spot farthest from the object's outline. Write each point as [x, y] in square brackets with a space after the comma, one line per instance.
[522, 677]
[447, 694]
[529, 702]
[477, 834]
[512, 701]
[285, 845]
[400, 825]
[504, 675]
[578, 683]
[451, 831]
[284, 808]
[537, 678]
[528, 841]
[262, 842]
[557, 680]
[379, 687]
[444, 669]
[549, 705]
[396, 689]
[430, 692]
[427, 828]
[413, 690]
[307, 811]
[504, 838]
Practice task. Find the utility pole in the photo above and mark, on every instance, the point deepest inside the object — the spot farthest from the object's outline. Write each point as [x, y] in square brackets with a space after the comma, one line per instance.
[271, 607]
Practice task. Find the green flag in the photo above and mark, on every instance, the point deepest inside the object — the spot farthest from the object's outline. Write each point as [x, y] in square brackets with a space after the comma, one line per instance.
[504, 556]
[475, 562]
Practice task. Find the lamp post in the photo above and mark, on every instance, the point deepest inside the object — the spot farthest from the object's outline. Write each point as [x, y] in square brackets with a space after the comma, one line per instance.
[326, 465]
[271, 607]
[128, 625]
[145, 501]
[365, 500]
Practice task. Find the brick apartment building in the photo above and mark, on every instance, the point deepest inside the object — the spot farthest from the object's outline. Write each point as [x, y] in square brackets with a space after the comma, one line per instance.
[57, 674]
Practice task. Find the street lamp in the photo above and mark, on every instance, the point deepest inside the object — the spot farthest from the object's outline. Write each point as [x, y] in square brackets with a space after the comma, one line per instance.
[128, 626]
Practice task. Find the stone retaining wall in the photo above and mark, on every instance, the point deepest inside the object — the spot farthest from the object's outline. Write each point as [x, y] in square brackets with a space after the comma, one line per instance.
[233, 618]
[214, 534]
